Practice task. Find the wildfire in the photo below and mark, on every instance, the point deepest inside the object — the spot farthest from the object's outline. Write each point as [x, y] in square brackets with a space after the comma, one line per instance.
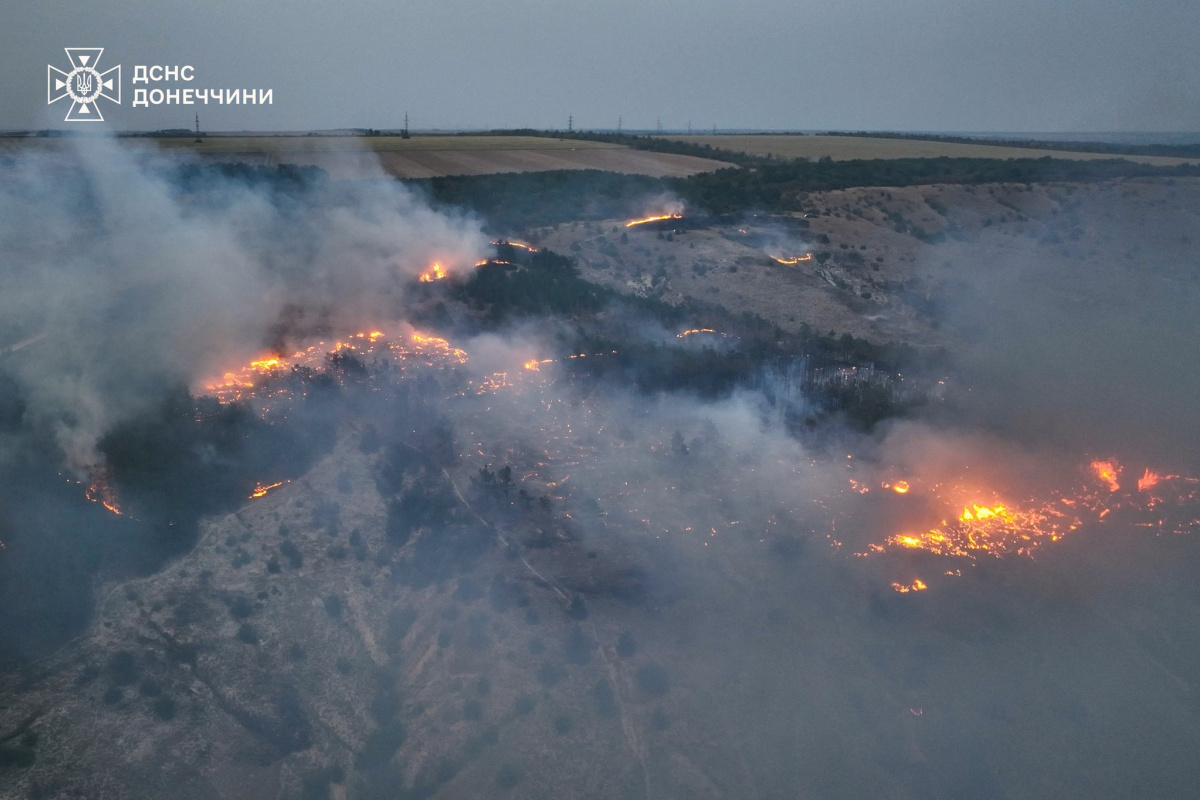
[1151, 479]
[533, 365]
[1108, 472]
[434, 273]
[100, 491]
[792, 261]
[260, 490]
[693, 332]
[519, 245]
[917, 585]
[263, 377]
[656, 218]
[998, 528]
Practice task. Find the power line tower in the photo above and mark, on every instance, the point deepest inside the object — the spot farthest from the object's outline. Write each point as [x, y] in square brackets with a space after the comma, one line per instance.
[404, 133]
[660, 125]
[619, 120]
[570, 122]
[198, 139]
[689, 127]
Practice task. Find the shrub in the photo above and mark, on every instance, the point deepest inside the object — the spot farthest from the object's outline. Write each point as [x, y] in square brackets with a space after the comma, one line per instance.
[653, 680]
[164, 707]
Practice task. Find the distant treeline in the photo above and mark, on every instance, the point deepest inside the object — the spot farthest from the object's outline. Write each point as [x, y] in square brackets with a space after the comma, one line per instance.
[779, 185]
[1111, 148]
[516, 201]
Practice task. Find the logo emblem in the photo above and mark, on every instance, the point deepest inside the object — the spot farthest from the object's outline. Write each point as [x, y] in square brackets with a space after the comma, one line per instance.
[84, 84]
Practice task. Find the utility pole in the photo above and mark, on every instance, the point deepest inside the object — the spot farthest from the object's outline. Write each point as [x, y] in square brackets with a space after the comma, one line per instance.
[619, 120]
[570, 122]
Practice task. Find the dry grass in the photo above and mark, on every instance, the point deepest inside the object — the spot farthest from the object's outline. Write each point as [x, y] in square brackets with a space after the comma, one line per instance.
[424, 156]
[846, 148]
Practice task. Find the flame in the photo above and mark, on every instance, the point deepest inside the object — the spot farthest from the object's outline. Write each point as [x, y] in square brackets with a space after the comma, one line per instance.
[1107, 472]
[917, 585]
[657, 218]
[260, 490]
[263, 377]
[101, 491]
[434, 273]
[520, 245]
[693, 332]
[997, 526]
[1150, 479]
[794, 260]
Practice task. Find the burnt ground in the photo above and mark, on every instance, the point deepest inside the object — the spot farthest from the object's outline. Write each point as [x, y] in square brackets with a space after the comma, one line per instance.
[324, 641]
[899, 263]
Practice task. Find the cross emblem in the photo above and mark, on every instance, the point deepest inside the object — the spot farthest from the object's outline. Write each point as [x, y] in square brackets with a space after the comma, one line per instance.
[84, 84]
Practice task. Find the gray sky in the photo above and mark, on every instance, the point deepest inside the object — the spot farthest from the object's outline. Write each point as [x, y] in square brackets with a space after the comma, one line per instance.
[956, 65]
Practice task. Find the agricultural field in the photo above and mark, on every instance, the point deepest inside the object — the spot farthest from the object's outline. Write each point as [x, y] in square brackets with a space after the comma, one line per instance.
[425, 156]
[848, 148]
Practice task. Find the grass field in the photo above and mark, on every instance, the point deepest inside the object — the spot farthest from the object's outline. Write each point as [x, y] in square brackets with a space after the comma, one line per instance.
[423, 156]
[846, 148]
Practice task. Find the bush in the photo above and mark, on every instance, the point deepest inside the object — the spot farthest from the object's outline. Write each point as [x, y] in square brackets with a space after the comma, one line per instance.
[653, 680]
[122, 668]
[508, 776]
[241, 607]
[333, 606]
[292, 553]
[112, 696]
[550, 674]
[247, 634]
[524, 704]
[164, 707]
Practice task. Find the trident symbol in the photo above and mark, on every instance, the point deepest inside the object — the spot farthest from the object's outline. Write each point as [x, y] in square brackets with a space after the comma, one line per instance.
[85, 85]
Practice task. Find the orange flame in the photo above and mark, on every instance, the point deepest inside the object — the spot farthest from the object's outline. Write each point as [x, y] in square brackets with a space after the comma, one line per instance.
[794, 260]
[260, 490]
[520, 245]
[657, 218]
[101, 491]
[1107, 472]
[434, 273]
[917, 585]
[900, 487]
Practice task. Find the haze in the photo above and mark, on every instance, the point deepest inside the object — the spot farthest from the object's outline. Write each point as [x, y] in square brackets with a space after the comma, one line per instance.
[1017, 65]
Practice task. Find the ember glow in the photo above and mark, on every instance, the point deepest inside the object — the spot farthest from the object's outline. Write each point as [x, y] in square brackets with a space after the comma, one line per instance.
[793, 260]
[260, 490]
[1108, 472]
[917, 585]
[265, 377]
[518, 245]
[657, 218]
[100, 491]
[980, 522]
